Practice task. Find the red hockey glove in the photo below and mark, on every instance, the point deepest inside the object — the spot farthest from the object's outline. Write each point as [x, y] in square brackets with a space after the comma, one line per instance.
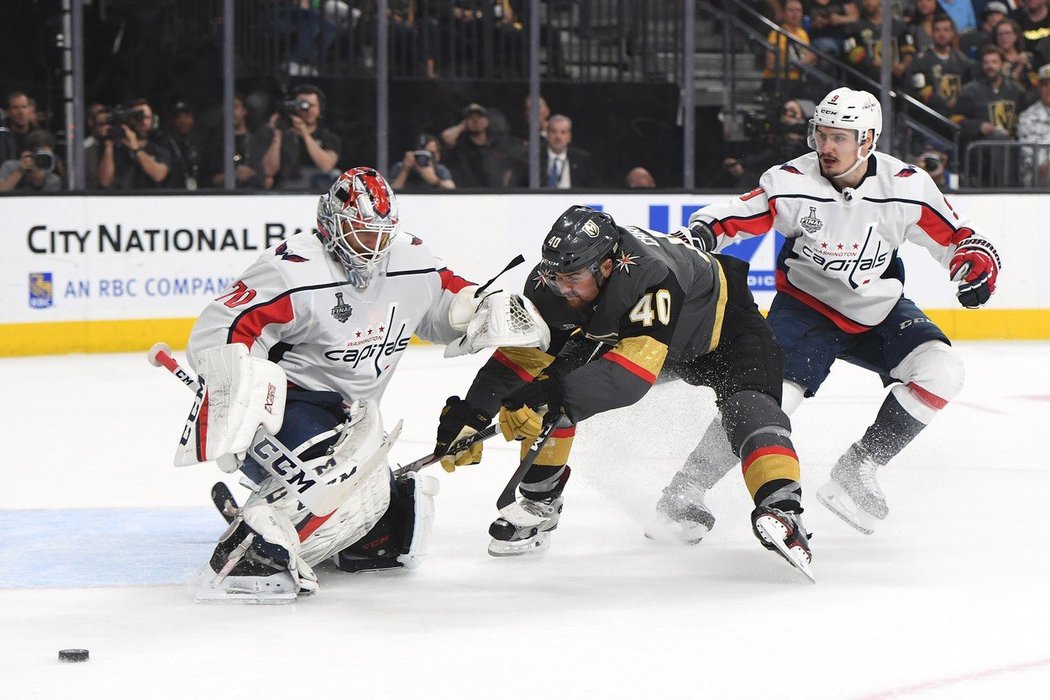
[975, 266]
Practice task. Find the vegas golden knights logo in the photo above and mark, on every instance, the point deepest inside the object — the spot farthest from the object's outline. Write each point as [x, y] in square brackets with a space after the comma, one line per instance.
[1003, 114]
[950, 87]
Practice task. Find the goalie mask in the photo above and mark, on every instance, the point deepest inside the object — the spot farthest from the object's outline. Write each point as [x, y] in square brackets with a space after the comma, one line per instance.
[580, 240]
[357, 220]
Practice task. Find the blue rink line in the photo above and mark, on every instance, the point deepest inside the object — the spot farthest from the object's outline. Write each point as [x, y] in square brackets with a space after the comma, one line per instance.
[105, 547]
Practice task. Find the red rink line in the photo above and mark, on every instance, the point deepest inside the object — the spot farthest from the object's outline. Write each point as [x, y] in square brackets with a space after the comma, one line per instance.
[955, 680]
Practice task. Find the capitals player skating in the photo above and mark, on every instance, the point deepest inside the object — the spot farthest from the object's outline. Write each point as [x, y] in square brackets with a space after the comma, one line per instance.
[845, 210]
[304, 344]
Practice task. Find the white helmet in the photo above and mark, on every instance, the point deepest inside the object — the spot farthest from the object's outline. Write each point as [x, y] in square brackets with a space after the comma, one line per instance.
[843, 108]
[360, 201]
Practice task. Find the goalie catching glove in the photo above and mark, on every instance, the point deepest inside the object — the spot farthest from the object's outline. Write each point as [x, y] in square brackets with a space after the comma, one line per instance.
[458, 420]
[497, 320]
[975, 266]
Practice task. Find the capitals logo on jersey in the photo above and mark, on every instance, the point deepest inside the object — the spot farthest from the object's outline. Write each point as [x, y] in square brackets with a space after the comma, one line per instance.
[377, 343]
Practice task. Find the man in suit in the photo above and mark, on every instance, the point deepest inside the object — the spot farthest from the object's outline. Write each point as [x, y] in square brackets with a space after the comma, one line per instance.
[563, 166]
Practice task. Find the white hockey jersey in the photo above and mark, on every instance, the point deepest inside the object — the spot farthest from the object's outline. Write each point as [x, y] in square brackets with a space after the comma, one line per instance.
[840, 253]
[295, 307]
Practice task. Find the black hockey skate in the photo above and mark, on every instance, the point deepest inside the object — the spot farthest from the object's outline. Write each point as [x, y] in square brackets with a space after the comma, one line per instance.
[510, 540]
[782, 532]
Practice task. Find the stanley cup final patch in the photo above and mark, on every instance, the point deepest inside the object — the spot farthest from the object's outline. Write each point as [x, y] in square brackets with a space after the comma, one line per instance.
[811, 223]
[341, 311]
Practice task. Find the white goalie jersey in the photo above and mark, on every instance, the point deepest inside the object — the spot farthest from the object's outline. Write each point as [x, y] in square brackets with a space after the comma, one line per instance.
[840, 253]
[295, 307]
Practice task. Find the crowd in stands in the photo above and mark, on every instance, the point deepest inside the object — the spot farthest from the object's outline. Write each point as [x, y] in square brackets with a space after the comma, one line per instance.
[980, 64]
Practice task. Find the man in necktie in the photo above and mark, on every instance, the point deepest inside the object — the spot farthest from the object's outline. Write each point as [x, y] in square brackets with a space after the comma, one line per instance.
[565, 166]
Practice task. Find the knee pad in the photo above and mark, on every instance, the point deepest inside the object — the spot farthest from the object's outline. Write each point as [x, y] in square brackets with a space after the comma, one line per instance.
[932, 375]
[747, 415]
[402, 535]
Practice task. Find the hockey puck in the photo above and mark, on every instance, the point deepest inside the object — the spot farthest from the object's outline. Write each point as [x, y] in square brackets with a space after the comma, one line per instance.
[72, 655]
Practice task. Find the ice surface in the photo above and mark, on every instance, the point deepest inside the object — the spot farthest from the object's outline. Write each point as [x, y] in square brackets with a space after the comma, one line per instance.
[100, 537]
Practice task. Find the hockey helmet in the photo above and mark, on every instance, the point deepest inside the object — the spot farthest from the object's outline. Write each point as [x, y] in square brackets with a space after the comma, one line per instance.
[844, 108]
[357, 220]
[581, 239]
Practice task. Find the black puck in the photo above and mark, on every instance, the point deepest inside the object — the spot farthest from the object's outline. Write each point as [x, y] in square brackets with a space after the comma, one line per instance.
[73, 655]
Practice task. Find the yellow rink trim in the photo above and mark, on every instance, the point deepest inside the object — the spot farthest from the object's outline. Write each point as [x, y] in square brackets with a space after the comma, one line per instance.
[127, 336]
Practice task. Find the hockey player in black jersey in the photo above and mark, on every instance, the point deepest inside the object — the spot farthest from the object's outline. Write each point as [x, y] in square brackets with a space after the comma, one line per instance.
[625, 307]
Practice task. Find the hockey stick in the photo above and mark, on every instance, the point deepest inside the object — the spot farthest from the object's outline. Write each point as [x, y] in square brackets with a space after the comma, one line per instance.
[319, 497]
[458, 446]
[507, 503]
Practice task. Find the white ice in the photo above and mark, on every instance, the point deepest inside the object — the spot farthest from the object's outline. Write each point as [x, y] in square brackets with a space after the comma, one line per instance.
[100, 537]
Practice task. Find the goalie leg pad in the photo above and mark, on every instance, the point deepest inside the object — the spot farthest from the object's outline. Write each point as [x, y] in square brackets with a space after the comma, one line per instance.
[402, 535]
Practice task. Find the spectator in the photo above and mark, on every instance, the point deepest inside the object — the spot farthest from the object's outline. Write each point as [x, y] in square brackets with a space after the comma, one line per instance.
[827, 18]
[938, 73]
[734, 175]
[934, 159]
[99, 128]
[476, 158]
[961, 12]
[1020, 64]
[970, 43]
[987, 110]
[864, 46]
[421, 170]
[414, 39]
[247, 173]
[921, 25]
[297, 152]
[181, 140]
[139, 161]
[34, 171]
[563, 166]
[544, 113]
[640, 179]
[22, 118]
[1033, 18]
[783, 140]
[312, 33]
[470, 19]
[1033, 126]
[783, 61]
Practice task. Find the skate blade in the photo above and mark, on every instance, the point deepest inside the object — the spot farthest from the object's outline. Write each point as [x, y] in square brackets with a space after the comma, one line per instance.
[540, 542]
[838, 501]
[773, 531]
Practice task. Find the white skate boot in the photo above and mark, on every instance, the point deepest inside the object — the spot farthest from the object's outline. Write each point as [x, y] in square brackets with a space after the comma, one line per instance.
[853, 493]
[509, 540]
[782, 532]
[681, 511]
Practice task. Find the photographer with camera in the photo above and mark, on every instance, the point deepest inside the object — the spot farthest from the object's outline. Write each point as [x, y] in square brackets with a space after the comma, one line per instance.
[35, 168]
[421, 170]
[98, 126]
[934, 160]
[299, 153]
[131, 158]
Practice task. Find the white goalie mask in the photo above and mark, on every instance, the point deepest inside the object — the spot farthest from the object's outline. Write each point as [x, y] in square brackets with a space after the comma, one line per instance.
[357, 220]
[844, 108]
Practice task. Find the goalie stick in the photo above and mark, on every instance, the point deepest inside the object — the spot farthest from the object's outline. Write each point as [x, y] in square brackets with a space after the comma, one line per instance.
[458, 446]
[321, 495]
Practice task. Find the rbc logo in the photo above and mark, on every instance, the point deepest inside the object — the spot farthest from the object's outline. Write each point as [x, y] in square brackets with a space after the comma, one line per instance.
[41, 290]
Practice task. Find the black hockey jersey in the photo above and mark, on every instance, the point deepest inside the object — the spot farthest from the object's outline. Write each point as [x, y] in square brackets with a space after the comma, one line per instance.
[664, 300]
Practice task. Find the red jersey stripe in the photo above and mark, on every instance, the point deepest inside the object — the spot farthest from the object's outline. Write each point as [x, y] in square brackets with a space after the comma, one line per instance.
[250, 325]
[817, 305]
[451, 281]
[631, 367]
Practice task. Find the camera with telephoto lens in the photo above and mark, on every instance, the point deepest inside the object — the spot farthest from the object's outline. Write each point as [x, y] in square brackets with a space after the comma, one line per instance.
[930, 162]
[118, 117]
[290, 107]
[423, 158]
[44, 159]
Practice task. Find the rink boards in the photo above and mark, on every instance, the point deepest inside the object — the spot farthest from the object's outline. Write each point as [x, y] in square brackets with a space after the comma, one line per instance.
[110, 274]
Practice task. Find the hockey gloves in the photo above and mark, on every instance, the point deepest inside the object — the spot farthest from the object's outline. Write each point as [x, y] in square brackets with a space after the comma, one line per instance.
[521, 416]
[975, 266]
[458, 420]
[699, 235]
